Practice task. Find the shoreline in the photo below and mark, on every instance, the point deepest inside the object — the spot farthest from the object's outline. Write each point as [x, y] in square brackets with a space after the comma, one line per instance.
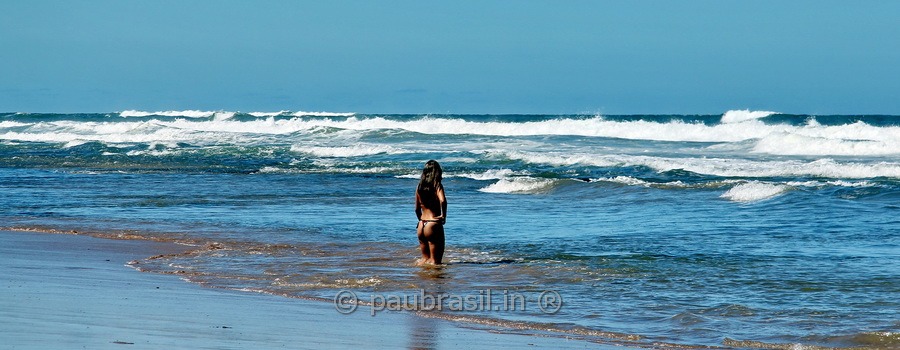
[73, 290]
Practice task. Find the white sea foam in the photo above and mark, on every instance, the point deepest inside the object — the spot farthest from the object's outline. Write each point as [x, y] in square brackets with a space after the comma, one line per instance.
[354, 170]
[74, 143]
[205, 114]
[323, 114]
[468, 255]
[370, 170]
[754, 191]
[492, 174]
[11, 124]
[630, 181]
[838, 183]
[273, 170]
[186, 113]
[460, 159]
[844, 140]
[269, 114]
[737, 116]
[674, 131]
[553, 158]
[852, 139]
[625, 180]
[727, 167]
[520, 185]
[347, 151]
[857, 139]
[107, 132]
[223, 115]
[153, 152]
[595, 127]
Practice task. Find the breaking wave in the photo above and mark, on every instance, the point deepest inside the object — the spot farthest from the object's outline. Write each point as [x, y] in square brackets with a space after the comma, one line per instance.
[741, 129]
[754, 191]
[348, 151]
[737, 116]
[521, 185]
[185, 113]
[726, 167]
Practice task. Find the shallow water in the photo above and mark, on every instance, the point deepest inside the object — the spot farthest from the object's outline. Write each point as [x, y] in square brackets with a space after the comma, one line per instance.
[745, 229]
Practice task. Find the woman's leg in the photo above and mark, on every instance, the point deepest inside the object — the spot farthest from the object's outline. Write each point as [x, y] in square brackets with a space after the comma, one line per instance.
[423, 243]
[436, 242]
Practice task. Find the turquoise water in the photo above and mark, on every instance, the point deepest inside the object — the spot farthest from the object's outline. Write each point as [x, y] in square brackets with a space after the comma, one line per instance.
[746, 229]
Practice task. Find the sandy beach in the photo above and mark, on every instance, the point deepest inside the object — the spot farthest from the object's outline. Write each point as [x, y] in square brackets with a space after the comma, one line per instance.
[69, 291]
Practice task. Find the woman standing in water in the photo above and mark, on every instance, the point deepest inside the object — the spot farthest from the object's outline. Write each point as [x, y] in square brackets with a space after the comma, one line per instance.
[431, 209]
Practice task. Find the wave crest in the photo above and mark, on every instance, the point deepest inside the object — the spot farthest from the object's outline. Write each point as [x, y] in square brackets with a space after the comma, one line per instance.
[186, 113]
[742, 115]
[356, 150]
[323, 114]
[754, 191]
[520, 185]
[845, 140]
[726, 167]
[856, 139]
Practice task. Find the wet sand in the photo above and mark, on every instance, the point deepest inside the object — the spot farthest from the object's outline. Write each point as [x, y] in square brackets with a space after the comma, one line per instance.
[69, 291]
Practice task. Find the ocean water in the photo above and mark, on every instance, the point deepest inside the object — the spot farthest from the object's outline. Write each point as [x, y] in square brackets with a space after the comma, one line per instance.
[747, 229]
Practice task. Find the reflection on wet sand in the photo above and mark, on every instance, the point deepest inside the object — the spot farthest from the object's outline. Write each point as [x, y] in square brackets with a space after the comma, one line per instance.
[423, 333]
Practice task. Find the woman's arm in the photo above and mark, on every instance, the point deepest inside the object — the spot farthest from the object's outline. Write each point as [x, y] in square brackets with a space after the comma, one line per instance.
[418, 207]
[443, 200]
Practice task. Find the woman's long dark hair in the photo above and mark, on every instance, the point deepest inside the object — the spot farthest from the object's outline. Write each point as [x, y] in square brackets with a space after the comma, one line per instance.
[430, 182]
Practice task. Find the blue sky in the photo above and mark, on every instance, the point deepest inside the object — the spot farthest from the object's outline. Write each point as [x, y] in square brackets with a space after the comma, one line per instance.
[610, 57]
